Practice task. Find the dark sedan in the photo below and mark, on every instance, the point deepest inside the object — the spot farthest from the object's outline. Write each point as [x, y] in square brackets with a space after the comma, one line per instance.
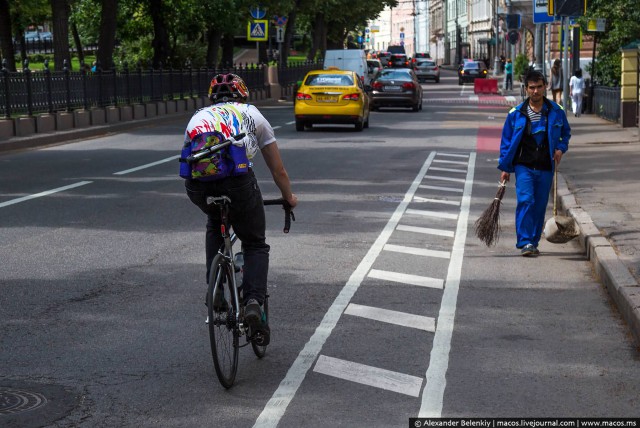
[396, 87]
[398, 61]
[472, 70]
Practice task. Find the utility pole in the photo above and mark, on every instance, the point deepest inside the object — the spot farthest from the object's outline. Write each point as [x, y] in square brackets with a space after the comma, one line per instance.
[496, 61]
[565, 64]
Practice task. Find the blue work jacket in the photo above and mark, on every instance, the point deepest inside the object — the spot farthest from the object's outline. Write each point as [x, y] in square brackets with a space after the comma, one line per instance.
[559, 133]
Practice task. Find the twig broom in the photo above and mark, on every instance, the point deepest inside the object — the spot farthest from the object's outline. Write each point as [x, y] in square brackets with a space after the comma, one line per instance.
[488, 224]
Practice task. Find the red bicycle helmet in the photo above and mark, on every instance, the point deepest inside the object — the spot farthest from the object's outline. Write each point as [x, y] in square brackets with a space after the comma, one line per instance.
[228, 87]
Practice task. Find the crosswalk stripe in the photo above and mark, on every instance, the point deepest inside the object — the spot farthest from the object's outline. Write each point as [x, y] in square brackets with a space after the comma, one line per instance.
[435, 168]
[450, 162]
[417, 251]
[435, 201]
[405, 278]
[453, 155]
[428, 213]
[444, 189]
[369, 375]
[392, 317]
[425, 230]
[439, 177]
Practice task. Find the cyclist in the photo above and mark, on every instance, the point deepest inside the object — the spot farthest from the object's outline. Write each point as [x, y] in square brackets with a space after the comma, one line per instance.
[247, 211]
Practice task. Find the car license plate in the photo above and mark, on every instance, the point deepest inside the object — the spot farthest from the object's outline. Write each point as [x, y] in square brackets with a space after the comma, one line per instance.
[327, 99]
[392, 88]
[473, 72]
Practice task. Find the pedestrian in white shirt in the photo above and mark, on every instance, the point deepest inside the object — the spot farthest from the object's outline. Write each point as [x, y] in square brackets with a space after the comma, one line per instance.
[576, 91]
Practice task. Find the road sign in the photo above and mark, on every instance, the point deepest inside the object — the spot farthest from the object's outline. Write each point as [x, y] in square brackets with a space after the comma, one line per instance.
[279, 34]
[569, 7]
[540, 12]
[514, 21]
[280, 20]
[257, 12]
[257, 30]
[402, 36]
[597, 24]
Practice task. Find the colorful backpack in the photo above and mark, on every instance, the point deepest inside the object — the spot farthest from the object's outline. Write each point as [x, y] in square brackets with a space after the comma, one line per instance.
[216, 125]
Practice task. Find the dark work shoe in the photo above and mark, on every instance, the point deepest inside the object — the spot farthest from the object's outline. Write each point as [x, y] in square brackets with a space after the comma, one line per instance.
[529, 251]
[256, 320]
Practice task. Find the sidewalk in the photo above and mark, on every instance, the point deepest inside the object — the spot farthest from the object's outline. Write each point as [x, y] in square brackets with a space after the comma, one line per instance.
[598, 187]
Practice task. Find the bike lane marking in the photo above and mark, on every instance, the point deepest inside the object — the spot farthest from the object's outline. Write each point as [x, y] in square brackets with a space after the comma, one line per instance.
[281, 398]
[45, 193]
[392, 317]
[433, 394]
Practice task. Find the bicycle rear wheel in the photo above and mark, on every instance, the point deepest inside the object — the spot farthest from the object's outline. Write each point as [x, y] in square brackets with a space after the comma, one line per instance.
[223, 329]
[260, 350]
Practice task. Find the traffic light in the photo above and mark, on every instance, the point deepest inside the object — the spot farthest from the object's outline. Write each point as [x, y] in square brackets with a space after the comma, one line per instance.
[513, 37]
[513, 21]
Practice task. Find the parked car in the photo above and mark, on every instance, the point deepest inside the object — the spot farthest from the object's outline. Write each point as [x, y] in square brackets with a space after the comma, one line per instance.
[472, 70]
[331, 96]
[31, 36]
[396, 87]
[427, 69]
[398, 60]
[46, 35]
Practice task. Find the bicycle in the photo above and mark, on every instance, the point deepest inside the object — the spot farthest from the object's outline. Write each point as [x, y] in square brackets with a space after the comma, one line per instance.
[225, 312]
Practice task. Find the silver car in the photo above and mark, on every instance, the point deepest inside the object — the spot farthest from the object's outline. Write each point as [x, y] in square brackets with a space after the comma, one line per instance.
[426, 69]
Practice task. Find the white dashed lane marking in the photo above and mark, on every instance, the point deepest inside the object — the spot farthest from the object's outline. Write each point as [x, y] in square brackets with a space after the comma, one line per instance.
[392, 317]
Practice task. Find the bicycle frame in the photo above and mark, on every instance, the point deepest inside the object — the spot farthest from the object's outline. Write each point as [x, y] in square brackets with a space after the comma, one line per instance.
[226, 250]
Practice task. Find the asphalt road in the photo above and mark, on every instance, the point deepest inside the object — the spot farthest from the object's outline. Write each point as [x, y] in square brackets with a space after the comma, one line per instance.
[384, 305]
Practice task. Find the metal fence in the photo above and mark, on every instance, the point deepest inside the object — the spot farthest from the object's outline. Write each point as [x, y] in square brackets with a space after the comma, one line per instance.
[28, 92]
[606, 102]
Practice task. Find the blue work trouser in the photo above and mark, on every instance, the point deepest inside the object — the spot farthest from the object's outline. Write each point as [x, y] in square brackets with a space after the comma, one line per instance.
[247, 218]
[532, 193]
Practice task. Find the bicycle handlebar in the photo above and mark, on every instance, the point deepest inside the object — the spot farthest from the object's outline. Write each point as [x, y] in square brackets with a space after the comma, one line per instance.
[288, 212]
[204, 153]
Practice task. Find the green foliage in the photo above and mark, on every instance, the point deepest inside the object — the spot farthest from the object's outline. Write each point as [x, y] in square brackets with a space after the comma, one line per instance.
[623, 27]
[520, 65]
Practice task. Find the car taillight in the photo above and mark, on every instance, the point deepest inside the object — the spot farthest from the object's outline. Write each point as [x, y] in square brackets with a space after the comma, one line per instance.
[352, 97]
[408, 85]
[377, 85]
[435, 68]
[301, 96]
[406, 63]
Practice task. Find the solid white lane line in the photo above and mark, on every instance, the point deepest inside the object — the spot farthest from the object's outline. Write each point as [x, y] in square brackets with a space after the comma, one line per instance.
[432, 396]
[405, 278]
[454, 155]
[392, 317]
[276, 127]
[417, 251]
[277, 404]
[438, 214]
[435, 168]
[368, 375]
[149, 165]
[444, 189]
[45, 193]
[438, 177]
[435, 201]
[450, 162]
[425, 230]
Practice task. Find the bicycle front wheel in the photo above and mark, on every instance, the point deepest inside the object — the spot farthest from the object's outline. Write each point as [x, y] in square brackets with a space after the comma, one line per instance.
[223, 328]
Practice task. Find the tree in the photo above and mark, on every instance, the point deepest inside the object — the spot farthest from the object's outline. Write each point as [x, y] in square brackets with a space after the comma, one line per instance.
[6, 42]
[623, 27]
[60, 12]
[107, 38]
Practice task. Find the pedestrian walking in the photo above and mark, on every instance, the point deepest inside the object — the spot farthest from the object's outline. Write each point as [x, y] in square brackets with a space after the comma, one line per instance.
[535, 135]
[576, 91]
[556, 81]
[508, 69]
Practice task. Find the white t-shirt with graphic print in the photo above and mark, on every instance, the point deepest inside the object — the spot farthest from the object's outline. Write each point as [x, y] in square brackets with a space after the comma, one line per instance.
[252, 122]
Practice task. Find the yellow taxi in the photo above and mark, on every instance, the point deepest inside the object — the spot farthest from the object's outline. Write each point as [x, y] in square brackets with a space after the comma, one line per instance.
[331, 96]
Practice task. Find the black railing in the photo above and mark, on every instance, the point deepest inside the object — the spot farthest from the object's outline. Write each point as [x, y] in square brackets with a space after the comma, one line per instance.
[28, 92]
[606, 102]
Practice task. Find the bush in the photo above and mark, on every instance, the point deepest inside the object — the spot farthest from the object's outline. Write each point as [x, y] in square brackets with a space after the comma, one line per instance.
[521, 65]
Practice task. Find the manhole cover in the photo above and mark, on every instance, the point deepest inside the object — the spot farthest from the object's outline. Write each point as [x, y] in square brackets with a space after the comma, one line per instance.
[14, 401]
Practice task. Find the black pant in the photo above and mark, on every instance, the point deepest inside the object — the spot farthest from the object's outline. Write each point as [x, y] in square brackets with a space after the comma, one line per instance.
[247, 219]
